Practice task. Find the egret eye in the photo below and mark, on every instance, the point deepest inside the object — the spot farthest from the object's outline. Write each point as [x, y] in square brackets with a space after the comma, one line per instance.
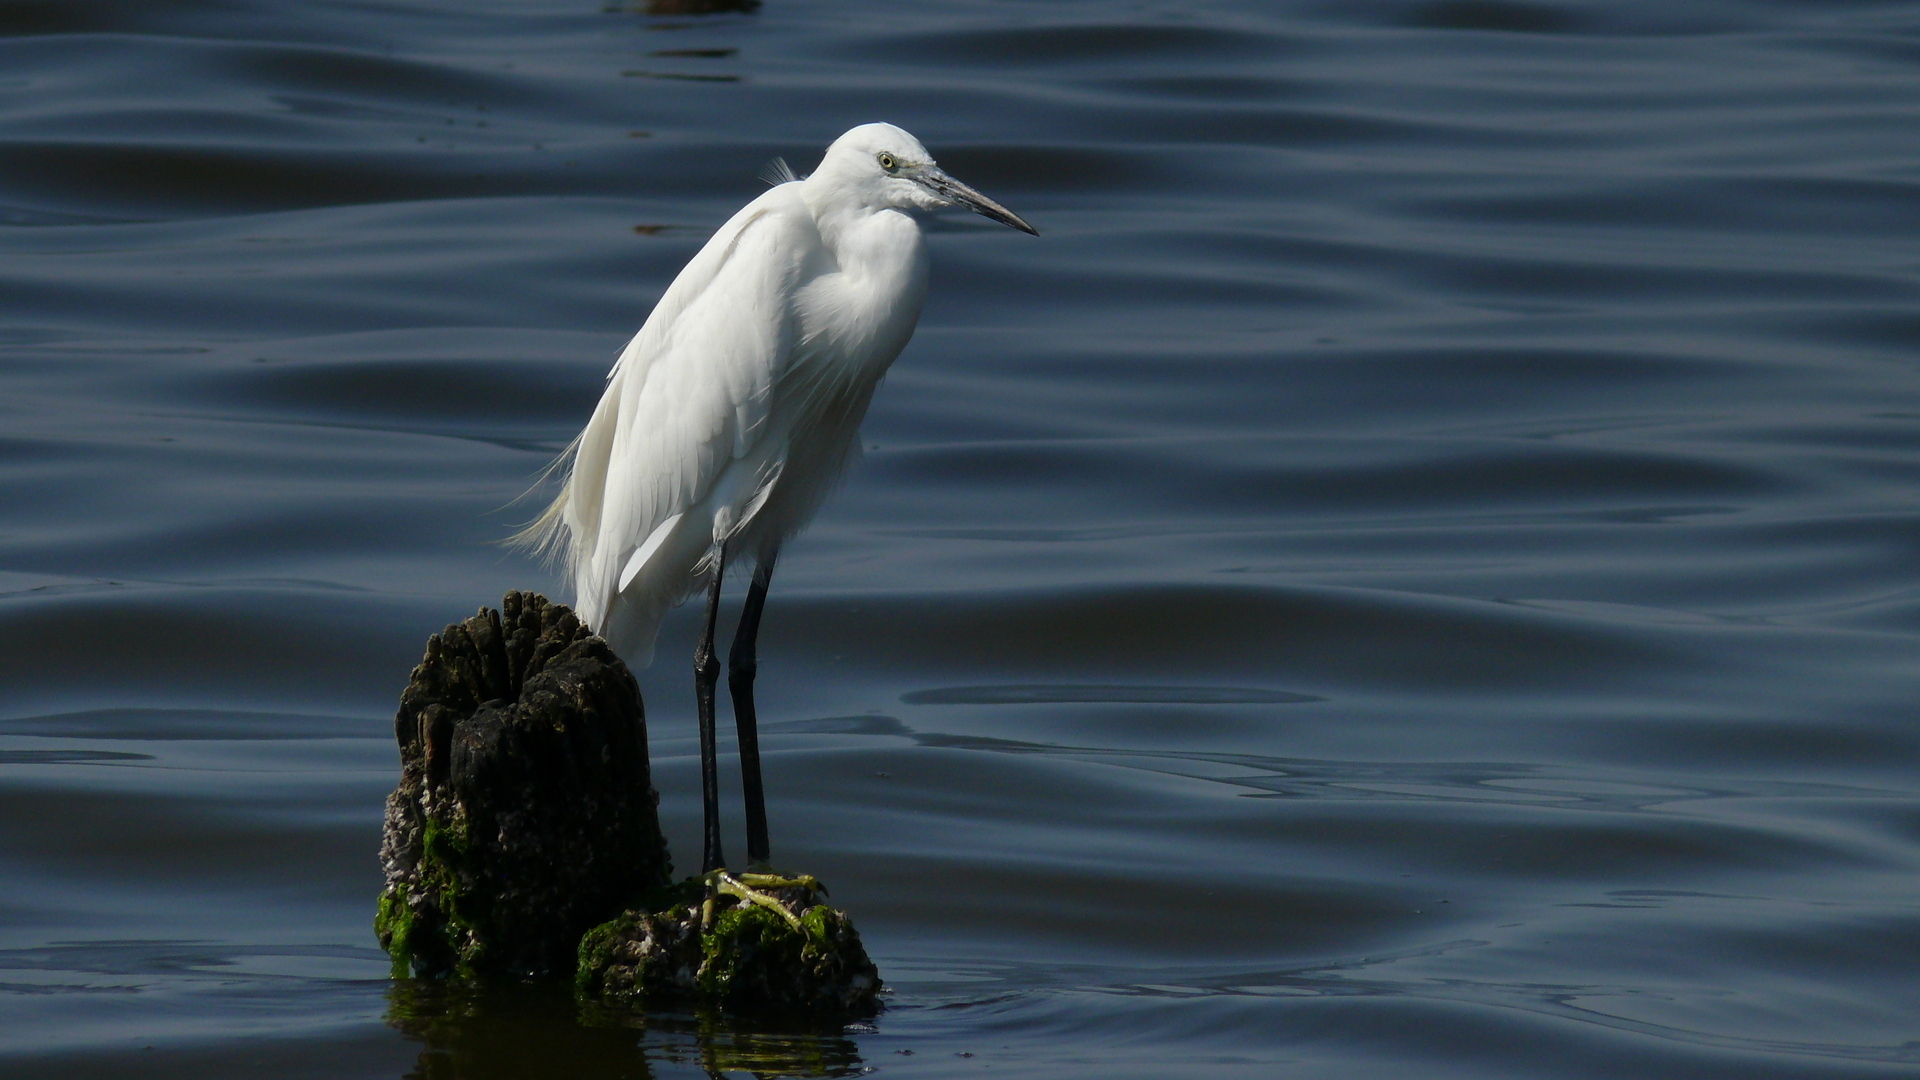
[887, 162]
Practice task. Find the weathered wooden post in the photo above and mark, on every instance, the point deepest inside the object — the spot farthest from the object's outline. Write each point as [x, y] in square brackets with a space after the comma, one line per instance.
[524, 841]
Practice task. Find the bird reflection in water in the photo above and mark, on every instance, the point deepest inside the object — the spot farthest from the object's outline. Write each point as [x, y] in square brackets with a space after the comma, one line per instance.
[523, 1032]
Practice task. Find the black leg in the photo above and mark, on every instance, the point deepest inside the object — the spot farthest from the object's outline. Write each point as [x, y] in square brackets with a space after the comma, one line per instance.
[706, 672]
[742, 664]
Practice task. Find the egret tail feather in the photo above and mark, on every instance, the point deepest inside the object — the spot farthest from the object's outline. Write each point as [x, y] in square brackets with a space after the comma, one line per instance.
[546, 536]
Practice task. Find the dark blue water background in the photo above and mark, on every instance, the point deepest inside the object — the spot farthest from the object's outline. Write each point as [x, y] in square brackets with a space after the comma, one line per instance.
[1413, 573]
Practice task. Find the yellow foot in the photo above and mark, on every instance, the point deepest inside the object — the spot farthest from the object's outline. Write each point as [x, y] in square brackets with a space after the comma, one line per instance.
[746, 887]
[763, 877]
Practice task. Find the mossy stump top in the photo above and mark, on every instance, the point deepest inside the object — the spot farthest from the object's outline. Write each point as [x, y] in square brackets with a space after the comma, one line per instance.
[751, 943]
[525, 813]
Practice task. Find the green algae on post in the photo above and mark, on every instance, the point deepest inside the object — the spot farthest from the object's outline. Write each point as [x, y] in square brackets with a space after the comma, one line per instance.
[525, 813]
[742, 943]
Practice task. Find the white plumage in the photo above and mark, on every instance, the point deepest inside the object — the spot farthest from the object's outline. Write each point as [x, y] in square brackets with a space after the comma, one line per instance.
[731, 413]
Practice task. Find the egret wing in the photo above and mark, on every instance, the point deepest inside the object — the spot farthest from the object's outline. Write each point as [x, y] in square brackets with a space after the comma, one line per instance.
[691, 394]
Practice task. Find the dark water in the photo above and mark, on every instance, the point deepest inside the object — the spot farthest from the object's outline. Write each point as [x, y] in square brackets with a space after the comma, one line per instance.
[1413, 573]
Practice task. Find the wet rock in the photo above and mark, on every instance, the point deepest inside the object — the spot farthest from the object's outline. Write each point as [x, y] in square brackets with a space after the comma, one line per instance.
[755, 944]
[525, 813]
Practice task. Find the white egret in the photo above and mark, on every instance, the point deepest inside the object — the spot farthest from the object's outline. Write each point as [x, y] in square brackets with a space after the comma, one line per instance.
[729, 415]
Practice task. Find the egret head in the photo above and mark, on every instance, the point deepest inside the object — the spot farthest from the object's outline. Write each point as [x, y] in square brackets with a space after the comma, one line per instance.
[881, 166]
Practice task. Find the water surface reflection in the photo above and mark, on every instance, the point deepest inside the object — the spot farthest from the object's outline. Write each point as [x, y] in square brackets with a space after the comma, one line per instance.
[523, 1032]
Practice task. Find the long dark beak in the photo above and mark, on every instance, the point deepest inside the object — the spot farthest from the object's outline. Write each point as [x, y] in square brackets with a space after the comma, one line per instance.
[938, 182]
